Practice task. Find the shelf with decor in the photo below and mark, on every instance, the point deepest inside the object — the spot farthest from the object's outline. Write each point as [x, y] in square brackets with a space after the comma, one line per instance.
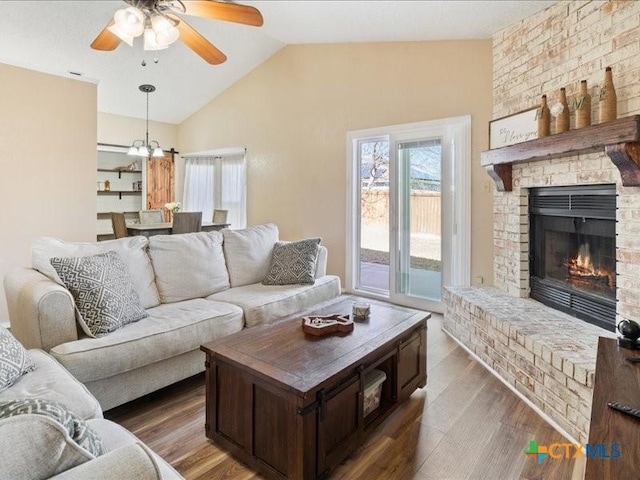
[119, 192]
[619, 139]
[125, 193]
[119, 172]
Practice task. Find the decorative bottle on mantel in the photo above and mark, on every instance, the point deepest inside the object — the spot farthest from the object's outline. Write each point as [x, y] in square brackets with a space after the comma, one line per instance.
[562, 119]
[544, 119]
[583, 106]
[608, 99]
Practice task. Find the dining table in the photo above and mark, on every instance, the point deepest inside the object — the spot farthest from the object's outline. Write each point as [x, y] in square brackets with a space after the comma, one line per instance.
[165, 228]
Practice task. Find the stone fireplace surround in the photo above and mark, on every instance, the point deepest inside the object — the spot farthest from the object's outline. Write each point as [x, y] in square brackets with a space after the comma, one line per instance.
[545, 356]
[532, 348]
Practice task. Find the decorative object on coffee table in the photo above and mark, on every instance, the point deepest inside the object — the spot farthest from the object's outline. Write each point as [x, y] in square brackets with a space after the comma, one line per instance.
[320, 325]
[361, 310]
[608, 99]
[583, 106]
[544, 119]
[561, 111]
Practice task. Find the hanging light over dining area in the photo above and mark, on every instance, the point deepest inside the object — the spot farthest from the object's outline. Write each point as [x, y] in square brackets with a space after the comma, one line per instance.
[146, 147]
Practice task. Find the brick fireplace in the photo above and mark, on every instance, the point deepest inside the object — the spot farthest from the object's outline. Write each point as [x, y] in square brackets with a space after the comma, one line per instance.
[544, 354]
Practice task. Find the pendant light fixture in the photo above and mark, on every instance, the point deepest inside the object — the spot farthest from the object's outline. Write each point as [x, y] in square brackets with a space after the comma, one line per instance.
[144, 148]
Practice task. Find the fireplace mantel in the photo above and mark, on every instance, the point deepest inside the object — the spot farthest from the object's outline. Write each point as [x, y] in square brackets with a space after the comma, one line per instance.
[619, 139]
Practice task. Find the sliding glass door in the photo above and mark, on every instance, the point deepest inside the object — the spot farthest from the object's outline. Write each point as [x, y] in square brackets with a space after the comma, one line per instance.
[408, 198]
[419, 266]
[373, 219]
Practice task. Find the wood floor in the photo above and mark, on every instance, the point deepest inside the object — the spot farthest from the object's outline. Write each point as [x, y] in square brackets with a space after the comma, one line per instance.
[463, 425]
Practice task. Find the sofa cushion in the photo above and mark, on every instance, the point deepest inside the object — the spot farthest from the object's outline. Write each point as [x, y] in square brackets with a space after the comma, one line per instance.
[102, 291]
[73, 425]
[248, 253]
[51, 381]
[39, 447]
[266, 303]
[293, 263]
[132, 250]
[126, 462]
[169, 330]
[14, 360]
[114, 436]
[188, 266]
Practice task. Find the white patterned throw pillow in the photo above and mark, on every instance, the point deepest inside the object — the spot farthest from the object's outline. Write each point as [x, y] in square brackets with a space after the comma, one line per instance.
[102, 290]
[14, 359]
[71, 423]
[293, 263]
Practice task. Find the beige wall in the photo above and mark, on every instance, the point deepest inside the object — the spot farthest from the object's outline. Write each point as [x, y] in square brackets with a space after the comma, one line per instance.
[293, 112]
[119, 130]
[47, 160]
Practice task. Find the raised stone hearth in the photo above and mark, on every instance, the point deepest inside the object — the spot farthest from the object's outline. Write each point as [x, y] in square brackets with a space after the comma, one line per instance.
[546, 355]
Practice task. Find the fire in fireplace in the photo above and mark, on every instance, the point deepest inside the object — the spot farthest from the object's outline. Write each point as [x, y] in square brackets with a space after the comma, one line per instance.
[572, 245]
[583, 274]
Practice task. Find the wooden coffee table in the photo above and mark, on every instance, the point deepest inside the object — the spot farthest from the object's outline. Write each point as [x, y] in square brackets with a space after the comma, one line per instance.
[291, 405]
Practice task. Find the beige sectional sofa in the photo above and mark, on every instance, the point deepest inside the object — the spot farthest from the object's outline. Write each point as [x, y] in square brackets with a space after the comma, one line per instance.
[195, 288]
[33, 446]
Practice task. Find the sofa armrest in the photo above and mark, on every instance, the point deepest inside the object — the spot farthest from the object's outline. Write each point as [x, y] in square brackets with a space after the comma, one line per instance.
[321, 264]
[129, 462]
[41, 312]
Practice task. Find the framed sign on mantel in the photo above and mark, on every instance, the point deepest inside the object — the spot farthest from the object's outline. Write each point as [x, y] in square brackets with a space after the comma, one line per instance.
[516, 128]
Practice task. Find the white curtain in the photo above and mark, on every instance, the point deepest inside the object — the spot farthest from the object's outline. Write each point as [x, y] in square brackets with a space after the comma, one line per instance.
[199, 186]
[233, 190]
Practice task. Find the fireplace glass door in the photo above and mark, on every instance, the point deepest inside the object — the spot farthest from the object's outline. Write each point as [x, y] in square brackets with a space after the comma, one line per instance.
[573, 251]
[581, 262]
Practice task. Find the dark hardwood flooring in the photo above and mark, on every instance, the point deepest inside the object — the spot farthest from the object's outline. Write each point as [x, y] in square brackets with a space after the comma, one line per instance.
[464, 424]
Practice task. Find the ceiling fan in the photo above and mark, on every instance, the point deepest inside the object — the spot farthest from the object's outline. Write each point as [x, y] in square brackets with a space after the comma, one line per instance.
[159, 24]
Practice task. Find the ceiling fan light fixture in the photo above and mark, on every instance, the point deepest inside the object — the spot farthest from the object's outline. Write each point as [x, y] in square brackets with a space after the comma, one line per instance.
[150, 41]
[166, 32]
[117, 31]
[130, 21]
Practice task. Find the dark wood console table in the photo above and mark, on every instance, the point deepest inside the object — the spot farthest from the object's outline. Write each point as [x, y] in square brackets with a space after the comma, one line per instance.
[291, 405]
[616, 380]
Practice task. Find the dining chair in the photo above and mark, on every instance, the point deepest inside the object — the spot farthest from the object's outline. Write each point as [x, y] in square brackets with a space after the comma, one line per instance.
[151, 216]
[119, 224]
[186, 222]
[220, 216]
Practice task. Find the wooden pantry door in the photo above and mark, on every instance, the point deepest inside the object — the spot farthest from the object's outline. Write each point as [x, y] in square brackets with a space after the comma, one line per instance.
[160, 183]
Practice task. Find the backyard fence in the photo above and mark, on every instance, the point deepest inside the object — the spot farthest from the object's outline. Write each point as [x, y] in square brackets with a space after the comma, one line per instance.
[425, 208]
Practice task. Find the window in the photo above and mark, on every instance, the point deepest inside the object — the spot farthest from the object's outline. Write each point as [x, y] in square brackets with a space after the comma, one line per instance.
[217, 180]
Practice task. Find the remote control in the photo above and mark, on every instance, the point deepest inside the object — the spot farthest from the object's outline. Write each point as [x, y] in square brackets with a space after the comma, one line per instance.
[633, 359]
[634, 412]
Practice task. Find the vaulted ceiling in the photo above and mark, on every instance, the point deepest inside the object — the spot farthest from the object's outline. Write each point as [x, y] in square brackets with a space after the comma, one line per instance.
[54, 36]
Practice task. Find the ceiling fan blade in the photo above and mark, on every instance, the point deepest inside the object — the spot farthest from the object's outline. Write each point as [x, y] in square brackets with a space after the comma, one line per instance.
[199, 44]
[229, 12]
[106, 40]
